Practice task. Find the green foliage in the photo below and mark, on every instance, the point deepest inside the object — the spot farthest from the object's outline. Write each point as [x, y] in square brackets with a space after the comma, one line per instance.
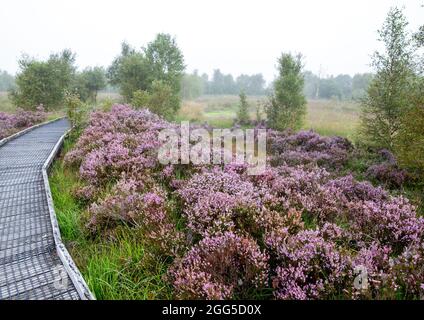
[419, 36]
[43, 82]
[149, 77]
[287, 104]
[165, 61]
[89, 82]
[409, 146]
[161, 99]
[360, 84]
[79, 86]
[224, 84]
[106, 104]
[192, 86]
[342, 87]
[243, 112]
[129, 72]
[258, 112]
[388, 97]
[251, 84]
[76, 111]
[140, 99]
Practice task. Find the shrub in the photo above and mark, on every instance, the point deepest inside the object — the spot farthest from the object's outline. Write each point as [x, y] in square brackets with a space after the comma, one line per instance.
[76, 111]
[388, 174]
[12, 123]
[44, 81]
[221, 267]
[308, 267]
[218, 201]
[296, 229]
[130, 204]
[379, 268]
[308, 147]
[160, 99]
[243, 112]
[389, 93]
[409, 271]
[287, 104]
[410, 142]
[115, 142]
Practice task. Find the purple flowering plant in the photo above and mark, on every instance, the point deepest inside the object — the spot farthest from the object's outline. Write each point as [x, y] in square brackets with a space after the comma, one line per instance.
[297, 231]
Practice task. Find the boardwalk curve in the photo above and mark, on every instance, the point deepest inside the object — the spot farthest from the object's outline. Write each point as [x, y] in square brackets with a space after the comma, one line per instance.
[34, 263]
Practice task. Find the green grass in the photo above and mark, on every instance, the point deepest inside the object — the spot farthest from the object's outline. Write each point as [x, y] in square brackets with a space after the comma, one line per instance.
[5, 103]
[119, 268]
[327, 117]
[331, 117]
[218, 111]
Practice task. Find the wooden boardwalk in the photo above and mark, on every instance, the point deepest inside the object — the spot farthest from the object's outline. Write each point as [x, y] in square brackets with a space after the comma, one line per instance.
[34, 264]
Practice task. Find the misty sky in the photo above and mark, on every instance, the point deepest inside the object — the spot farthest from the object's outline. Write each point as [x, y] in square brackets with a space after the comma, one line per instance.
[235, 36]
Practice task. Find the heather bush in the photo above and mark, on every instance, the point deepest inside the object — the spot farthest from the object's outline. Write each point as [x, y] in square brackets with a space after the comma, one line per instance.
[214, 199]
[370, 213]
[409, 271]
[132, 205]
[297, 231]
[221, 267]
[375, 259]
[284, 187]
[76, 111]
[308, 147]
[115, 142]
[12, 123]
[308, 267]
[219, 200]
[388, 172]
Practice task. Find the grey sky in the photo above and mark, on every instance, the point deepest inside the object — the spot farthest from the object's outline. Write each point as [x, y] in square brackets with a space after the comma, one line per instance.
[235, 36]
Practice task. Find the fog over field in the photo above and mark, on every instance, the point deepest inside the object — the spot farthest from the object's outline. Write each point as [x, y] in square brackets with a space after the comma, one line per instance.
[238, 36]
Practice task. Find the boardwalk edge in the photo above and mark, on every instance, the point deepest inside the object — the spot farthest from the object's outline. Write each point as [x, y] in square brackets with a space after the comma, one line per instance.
[69, 264]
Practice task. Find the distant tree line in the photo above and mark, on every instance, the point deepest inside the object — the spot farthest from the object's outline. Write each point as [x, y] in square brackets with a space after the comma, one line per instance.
[195, 85]
[7, 81]
[342, 87]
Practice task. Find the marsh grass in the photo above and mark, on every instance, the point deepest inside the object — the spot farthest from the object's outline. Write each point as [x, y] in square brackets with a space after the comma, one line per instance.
[327, 117]
[218, 111]
[5, 103]
[332, 117]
